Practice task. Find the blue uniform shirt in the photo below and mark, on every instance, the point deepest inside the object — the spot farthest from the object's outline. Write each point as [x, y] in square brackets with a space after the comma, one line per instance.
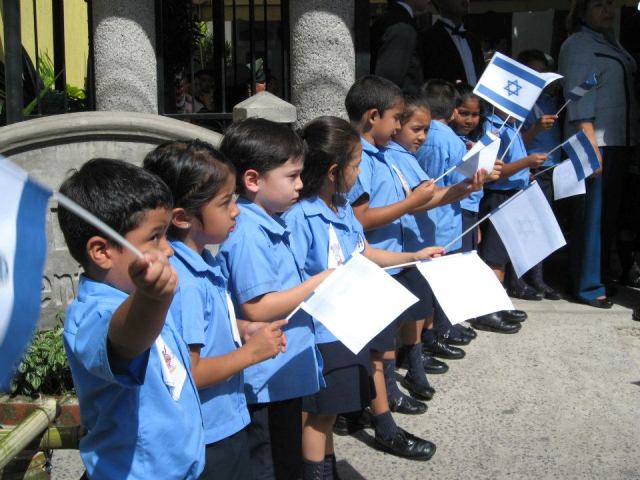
[441, 151]
[309, 221]
[201, 315]
[135, 429]
[418, 230]
[257, 259]
[518, 180]
[546, 140]
[472, 201]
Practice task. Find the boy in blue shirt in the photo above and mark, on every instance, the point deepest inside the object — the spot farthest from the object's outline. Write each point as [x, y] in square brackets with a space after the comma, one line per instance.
[130, 367]
[266, 284]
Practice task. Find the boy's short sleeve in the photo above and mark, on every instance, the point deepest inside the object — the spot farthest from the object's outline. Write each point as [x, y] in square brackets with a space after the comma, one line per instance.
[364, 182]
[90, 347]
[189, 309]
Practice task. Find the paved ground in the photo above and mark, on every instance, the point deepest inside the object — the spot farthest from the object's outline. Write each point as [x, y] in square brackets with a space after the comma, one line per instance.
[559, 400]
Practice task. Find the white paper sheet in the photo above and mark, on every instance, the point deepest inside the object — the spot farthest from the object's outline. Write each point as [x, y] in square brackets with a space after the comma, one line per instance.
[465, 286]
[565, 181]
[357, 301]
[480, 156]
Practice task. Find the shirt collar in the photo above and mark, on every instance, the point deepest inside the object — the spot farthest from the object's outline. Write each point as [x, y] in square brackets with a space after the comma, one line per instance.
[199, 263]
[90, 288]
[406, 7]
[397, 147]
[315, 206]
[368, 147]
[452, 25]
[255, 213]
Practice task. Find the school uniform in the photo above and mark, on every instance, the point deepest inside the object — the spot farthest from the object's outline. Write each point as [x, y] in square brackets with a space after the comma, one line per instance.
[492, 249]
[143, 420]
[201, 311]
[322, 239]
[469, 207]
[257, 259]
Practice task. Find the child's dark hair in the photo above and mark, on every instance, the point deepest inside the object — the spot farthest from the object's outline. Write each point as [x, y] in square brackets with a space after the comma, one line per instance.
[194, 171]
[368, 92]
[260, 145]
[528, 56]
[117, 192]
[413, 103]
[442, 97]
[327, 141]
[465, 93]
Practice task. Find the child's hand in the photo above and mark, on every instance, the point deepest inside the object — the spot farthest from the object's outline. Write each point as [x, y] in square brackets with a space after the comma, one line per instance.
[154, 276]
[422, 193]
[536, 159]
[429, 252]
[476, 182]
[267, 341]
[495, 173]
[546, 121]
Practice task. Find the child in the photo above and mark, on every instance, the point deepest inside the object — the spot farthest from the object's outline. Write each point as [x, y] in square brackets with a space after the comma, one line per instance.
[203, 183]
[138, 400]
[266, 284]
[374, 106]
[325, 233]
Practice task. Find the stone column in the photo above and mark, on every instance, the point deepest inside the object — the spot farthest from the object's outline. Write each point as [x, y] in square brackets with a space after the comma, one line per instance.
[124, 40]
[322, 56]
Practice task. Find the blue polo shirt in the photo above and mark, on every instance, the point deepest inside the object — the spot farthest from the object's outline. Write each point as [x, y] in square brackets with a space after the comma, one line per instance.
[382, 185]
[518, 180]
[257, 259]
[546, 140]
[472, 201]
[201, 315]
[418, 230]
[309, 221]
[441, 151]
[135, 429]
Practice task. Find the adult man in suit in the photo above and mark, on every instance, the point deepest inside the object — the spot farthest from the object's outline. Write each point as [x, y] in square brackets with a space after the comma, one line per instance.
[447, 49]
[394, 43]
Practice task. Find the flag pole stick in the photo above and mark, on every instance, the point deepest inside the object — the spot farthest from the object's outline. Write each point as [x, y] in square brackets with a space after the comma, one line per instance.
[401, 265]
[445, 174]
[91, 219]
[545, 170]
[504, 123]
[563, 107]
[504, 154]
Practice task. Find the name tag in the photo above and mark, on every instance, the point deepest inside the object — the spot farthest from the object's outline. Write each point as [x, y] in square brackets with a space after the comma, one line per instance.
[336, 256]
[173, 373]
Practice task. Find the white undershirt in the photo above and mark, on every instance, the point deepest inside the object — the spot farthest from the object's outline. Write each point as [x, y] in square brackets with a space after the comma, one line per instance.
[463, 49]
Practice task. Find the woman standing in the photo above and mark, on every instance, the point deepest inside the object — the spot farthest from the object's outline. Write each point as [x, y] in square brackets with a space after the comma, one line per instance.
[608, 115]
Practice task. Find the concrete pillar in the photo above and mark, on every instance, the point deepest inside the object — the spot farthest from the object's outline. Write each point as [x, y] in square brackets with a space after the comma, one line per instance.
[124, 40]
[323, 65]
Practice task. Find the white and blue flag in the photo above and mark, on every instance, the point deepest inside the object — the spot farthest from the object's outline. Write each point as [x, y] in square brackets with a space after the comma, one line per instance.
[576, 93]
[582, 154]
[482, 156]
[23, 250]
[511, 86]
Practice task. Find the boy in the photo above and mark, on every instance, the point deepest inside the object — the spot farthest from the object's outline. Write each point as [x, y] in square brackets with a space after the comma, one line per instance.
[374, 106]
[138, 400]
[266, 284]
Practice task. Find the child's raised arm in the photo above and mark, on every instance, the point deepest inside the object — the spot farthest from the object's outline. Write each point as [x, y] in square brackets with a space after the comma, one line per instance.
[136, 323]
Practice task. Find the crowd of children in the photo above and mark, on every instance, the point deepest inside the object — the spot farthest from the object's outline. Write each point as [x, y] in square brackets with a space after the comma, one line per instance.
[194, 365]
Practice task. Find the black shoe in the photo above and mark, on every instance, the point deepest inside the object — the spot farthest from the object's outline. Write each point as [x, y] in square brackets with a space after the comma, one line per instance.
[494, 323]
[454, 337]
[423, 391]
[405, 445]
[547, 292]
[525, 293]
[466, 331]
[598, 303]
[433, 366]
[407, 405]
[352, 422]
[439, 348]
[514, 315]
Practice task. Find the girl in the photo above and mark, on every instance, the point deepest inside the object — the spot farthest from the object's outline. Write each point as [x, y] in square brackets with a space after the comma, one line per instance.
[203, 186]
[325, 233]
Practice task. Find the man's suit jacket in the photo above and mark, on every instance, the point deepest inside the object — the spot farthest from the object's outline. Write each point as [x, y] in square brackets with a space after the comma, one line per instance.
[440, 57]
[394, 43]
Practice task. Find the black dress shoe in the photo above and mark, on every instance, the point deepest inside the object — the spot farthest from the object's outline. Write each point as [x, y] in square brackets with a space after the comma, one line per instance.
[597, 303]
[525, 293]
[513, 315]
[454, 337]
[439, 348]
[407, 405]
[547, 292]
[467, 331]
[350, 423]
[433, 366]
[423, 391]
[405, 445]
[494, 323]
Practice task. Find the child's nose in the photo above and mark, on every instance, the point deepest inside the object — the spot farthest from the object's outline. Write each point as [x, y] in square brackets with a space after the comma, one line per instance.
[165, 247]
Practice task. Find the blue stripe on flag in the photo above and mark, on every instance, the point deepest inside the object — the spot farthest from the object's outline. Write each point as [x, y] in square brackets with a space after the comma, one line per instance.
[485, 140]
[500, 101]
[519, 72]
[30, 255]
[588, 148]
[575, 160]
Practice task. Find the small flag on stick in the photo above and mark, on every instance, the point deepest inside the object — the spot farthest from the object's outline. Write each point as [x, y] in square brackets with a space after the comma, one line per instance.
[482, 156]
[576, 93]
[582, 154]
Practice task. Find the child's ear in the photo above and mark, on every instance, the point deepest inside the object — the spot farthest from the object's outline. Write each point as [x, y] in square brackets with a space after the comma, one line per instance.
[251, 179]
[332, 174]
[99, 252]
[181, 219]
[371, 116]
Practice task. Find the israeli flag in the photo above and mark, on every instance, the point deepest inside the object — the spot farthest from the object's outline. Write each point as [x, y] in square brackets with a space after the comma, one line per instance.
[528, 228]
[581, 90]
[582, 155]
[23, 250]
[511, 86]
[482, 156]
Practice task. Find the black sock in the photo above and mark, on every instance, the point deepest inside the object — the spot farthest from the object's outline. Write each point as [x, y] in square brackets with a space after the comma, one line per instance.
[385, 425]
[312, 470]
[416, 367]
[389, 369]
[427, 335]
[330, 468]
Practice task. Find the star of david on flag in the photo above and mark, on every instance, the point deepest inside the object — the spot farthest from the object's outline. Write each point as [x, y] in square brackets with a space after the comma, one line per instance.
[511, 86]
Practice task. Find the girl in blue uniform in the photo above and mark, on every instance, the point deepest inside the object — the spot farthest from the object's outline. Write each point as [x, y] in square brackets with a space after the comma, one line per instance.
[203, 186]
[325, 233]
